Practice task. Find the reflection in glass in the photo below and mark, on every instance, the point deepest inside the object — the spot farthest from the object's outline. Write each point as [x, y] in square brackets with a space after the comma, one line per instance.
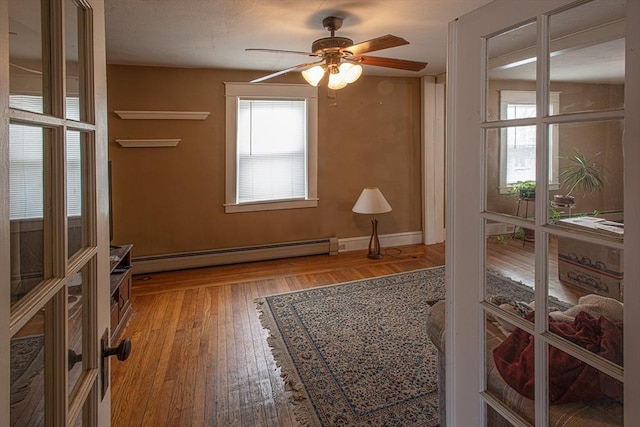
[26, 55]
[510, 279]
[72, 52]
[592, 269]
[510, 366]
[590, 163]
[587, 56]
[75, 327]
[562, 295]
[27, 374]
[510, 168]
[75, 201]
[26, 208]
[78, 422]
[518, 149]
[511, 65]
[580, 389]
[495, 419]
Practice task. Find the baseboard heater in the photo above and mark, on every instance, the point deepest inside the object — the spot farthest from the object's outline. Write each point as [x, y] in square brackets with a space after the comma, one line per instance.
[184, 260]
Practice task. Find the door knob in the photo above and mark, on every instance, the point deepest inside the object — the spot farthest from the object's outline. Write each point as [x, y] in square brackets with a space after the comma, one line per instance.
[73, 358]
[122, 351]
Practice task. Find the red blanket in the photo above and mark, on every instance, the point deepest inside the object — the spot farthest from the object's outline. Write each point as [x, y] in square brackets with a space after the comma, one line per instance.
[570, 380]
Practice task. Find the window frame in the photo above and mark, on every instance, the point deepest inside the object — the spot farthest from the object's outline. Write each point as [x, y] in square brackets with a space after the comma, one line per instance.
[235, 91]
[528, 97]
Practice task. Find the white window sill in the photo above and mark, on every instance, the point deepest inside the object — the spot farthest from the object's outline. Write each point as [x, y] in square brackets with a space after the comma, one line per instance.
[507, 190]
[269, 206]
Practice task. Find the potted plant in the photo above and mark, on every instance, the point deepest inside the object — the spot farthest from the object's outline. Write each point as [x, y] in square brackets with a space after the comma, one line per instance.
[526, 192]
[582, 174]
[524, 189]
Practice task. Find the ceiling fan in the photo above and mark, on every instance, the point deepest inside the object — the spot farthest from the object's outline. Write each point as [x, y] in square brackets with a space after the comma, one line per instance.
[341, 58]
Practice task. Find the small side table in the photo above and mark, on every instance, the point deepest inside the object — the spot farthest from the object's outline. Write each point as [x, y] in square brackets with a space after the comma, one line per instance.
[526, 201]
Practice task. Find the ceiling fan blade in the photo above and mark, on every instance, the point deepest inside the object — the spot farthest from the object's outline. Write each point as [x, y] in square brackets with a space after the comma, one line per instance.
[400, 64]
[297, 52]
[279, 73]
[379, 43]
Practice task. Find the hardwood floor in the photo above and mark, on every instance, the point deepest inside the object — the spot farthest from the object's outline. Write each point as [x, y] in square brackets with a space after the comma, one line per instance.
[199, 354]
[513, 259]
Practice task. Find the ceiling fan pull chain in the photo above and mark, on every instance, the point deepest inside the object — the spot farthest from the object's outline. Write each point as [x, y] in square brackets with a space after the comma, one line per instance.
[332, 96]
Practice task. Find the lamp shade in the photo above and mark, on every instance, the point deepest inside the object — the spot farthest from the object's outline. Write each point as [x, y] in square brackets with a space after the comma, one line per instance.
[371, 201]
[313, 75]
[336, 81]
[350, 72]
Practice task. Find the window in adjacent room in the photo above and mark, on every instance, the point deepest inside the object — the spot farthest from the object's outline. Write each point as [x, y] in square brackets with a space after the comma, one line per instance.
[518, 147]
[271, 147]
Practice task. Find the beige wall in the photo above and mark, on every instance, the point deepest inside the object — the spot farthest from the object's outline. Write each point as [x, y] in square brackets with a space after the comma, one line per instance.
[168, 200]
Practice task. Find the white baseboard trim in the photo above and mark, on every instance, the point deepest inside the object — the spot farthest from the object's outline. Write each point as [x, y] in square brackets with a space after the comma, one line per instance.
[208, 258]
[387, 240]
[331, 245]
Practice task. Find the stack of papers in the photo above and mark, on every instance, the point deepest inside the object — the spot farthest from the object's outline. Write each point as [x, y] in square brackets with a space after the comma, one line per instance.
[596, 223]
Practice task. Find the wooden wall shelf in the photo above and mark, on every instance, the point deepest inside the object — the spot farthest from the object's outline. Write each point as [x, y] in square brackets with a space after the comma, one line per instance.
[146, 143]
[162, 115]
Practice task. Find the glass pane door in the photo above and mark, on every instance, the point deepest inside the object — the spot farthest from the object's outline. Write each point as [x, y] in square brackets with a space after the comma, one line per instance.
[51, 291]
[581, 280]
[550, 275]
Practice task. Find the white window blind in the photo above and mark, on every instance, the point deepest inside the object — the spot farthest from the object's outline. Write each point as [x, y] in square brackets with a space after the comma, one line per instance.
[26, 195]
[271, 150]
[521, 145]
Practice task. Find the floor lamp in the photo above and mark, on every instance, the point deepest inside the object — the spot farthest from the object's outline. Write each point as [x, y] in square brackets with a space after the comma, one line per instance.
[372, 202]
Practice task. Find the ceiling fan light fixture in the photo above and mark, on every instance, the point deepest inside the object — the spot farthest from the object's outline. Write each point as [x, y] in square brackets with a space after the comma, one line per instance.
[313, 75]
[350, 72]
[342, 58]
[336, 81]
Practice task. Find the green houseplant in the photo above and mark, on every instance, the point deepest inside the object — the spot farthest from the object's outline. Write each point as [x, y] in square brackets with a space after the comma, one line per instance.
[582, 174]
[524, 189]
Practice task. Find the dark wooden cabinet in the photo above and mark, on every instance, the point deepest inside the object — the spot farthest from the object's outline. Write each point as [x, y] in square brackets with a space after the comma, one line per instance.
[120, 288]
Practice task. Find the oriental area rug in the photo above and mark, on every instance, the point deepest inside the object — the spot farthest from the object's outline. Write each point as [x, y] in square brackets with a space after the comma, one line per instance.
[357, 353]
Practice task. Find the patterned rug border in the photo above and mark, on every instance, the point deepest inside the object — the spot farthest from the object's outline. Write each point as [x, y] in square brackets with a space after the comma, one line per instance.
[329, 285]
[293, 385]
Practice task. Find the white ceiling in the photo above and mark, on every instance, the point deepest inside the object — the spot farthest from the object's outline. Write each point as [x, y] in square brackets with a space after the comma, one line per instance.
[588, 44]
[215, 33]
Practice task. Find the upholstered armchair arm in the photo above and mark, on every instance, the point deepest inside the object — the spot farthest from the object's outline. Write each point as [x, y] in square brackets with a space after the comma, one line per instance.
[436, 324]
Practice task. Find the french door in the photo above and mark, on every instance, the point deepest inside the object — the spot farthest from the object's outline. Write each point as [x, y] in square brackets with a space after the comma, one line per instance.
[54, 274]
[545, 95]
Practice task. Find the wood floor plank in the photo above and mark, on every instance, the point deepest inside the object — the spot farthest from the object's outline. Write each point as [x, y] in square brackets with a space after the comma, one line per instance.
[261, 363]
[283, 411]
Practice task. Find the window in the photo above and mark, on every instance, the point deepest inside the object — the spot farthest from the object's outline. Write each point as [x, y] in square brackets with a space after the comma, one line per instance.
[518, 148]
[26, 162]
[271, 147]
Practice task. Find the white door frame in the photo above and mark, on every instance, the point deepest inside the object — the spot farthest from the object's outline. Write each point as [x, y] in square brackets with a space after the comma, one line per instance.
[433, 159]
[465, 189]
[5, 291]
